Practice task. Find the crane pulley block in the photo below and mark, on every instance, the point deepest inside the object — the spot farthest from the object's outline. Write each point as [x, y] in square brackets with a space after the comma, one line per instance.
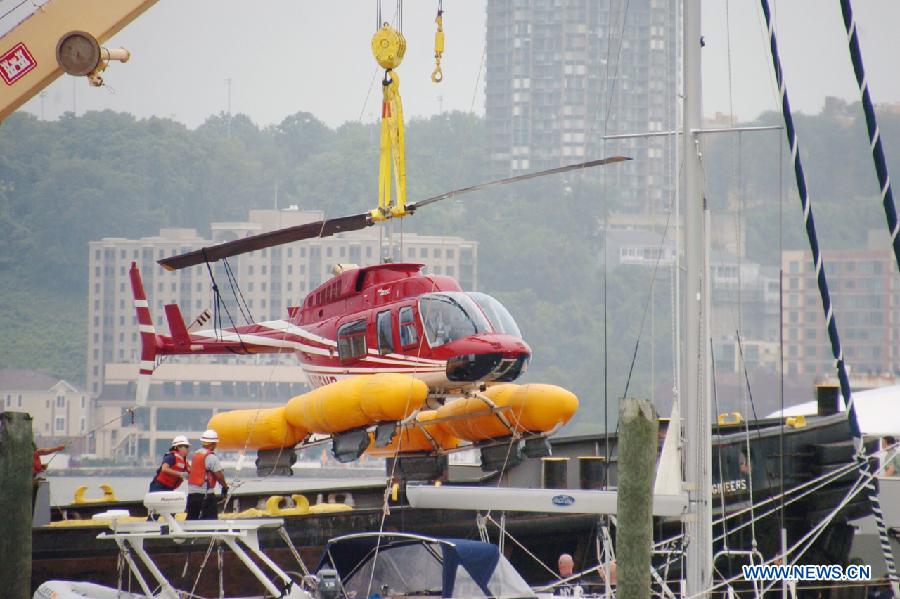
[388, 46]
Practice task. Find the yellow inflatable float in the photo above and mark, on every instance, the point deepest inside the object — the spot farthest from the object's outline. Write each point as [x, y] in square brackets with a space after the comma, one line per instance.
[362, 401]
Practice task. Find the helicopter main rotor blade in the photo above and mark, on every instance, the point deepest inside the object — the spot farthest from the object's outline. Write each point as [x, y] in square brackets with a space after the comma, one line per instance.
[525, 177]
[321, 228]
[330, 226]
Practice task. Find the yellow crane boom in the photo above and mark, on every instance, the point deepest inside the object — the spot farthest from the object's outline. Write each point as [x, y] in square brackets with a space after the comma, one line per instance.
[61, 33]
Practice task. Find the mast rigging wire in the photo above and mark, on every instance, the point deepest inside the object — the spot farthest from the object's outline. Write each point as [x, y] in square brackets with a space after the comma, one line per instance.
[819, 264]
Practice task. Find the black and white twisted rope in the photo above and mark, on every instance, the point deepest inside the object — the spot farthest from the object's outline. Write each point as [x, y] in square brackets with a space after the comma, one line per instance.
[881, 169]
[837, 352]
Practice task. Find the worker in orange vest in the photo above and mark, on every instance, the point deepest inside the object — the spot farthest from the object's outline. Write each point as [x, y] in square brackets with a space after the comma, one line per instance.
[206, 472]
[174, 467]
[37, 466]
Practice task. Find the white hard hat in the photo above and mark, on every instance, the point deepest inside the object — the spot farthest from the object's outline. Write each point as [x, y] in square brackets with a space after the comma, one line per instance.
[180, 440]
[210, 436]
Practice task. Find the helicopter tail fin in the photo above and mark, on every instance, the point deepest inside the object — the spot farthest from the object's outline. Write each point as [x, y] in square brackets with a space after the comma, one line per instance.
[147, 333]
[177, 328]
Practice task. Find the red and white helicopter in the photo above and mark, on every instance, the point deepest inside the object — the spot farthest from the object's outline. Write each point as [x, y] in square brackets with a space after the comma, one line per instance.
[384, 319]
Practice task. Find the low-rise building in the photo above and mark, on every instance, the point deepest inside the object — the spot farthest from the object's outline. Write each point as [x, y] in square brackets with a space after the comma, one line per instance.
[60, 411]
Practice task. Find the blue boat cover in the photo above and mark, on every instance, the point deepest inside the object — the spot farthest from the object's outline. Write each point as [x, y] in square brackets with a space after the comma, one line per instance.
[479, 559]
[371, 565]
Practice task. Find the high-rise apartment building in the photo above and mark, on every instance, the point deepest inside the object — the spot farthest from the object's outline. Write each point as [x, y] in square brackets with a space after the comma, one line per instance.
[270, 280]
[561, 74]
[865, 294]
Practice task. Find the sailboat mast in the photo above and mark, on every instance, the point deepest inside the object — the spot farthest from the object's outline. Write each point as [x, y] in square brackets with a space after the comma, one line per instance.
[697, 383]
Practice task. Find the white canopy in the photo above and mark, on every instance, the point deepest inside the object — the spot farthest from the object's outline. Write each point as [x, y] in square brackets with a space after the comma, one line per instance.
[878, 410]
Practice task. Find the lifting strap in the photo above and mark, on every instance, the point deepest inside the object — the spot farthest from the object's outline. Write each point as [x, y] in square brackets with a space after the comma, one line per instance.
[388, 46]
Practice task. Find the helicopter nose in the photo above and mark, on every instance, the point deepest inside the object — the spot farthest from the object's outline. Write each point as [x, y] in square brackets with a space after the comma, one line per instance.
[500, 358]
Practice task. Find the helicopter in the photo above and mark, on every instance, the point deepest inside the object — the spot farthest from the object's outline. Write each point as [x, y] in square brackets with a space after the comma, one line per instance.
[400, 361]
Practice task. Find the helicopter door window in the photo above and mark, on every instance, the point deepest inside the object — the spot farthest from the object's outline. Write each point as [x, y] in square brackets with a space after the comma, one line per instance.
[408, 334]
[449, 316]
[385, 329]
[352, 341]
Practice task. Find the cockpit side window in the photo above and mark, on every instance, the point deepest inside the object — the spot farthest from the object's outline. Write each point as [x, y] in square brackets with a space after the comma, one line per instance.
[352, 341]
[385, 327]
[409, 336]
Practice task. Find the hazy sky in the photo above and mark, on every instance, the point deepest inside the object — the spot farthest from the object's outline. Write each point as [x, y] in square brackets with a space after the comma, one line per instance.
[284, 56]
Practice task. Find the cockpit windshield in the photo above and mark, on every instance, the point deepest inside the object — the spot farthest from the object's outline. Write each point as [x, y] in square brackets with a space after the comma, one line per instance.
[452, 315]
[500, 318]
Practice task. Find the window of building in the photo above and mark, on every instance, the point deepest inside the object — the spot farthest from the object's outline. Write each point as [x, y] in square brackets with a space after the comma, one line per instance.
[180, 419]
[19, 401]
[423, 252]
[409, 336]
[8, 400]
[328, 252]
[60, 401]
[369, 252]
[385, 328]
[60, 424]
[82, 402]
[352, 340]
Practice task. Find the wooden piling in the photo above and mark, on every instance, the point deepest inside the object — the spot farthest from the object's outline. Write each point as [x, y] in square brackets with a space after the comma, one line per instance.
[16, 454]
[638, 426]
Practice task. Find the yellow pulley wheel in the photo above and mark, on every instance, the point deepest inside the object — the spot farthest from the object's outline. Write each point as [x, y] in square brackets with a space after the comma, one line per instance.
[388, 46]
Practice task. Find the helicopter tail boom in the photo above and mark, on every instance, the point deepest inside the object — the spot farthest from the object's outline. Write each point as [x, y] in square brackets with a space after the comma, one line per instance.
[148, 335]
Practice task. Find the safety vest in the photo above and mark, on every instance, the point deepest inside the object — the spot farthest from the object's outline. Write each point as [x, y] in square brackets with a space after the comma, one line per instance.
[199, 474]
[170, 481]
